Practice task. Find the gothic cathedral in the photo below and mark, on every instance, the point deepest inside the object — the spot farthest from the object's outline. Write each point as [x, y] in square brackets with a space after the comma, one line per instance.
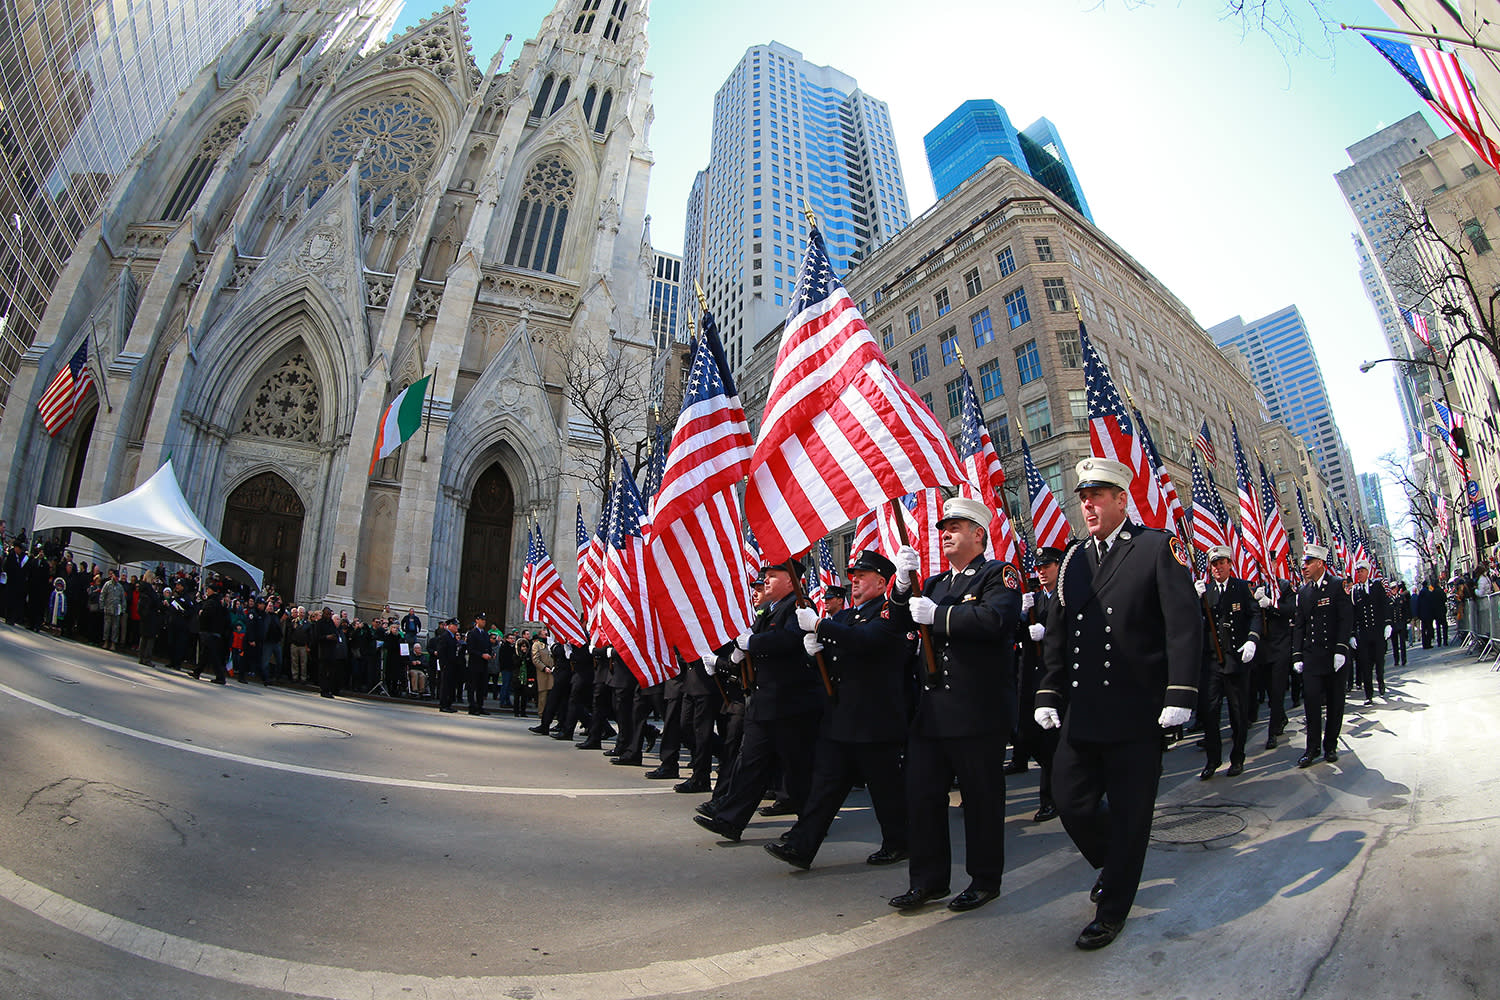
[324, 218]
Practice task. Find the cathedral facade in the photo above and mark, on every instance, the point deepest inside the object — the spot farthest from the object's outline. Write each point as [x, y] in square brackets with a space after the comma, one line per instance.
[323, 219]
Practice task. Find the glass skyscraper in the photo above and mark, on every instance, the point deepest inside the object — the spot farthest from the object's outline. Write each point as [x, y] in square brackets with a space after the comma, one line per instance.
[978, 131]
[786, 132]
[82, 85]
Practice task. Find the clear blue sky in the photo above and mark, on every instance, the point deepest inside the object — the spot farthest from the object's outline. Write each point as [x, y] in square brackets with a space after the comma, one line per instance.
[1204, 150]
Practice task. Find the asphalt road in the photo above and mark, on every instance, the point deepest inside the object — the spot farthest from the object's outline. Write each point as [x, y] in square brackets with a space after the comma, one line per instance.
[165, 838]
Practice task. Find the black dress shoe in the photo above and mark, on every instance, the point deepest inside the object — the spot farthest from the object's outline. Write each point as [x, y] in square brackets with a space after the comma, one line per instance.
[562, 736]
[1045, 813]
[1014, 767]
[1271, 742]
[1235, 770]
[627, 761]
[719, 826]
[971, 898]
[663, 772]
[782, 851]
[587, 745]
[539, 730]
[781, 807]
[612, 752]
[1207, 772]
[652, 733]
[690, 787]
[1099, 933]
[450, 711]
[1331, 756]
[1097, 892]
[886, 857]
[709, 808]
[1308, 759]
[911, 899]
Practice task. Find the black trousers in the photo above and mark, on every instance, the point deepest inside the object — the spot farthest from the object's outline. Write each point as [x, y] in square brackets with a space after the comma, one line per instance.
[671, 728]
[836, 767]
[790, 740]
[558, 699]
[211, 654]
[1442, 630]
[1235, 690]
[1320, 691]
[580, 693]
[978, 762]
[623, 700]
[476, 679]
[1106, 795]
[647, 700]
[1428, 626]
[599, 711]
[1398, 647]
[448, 673]
[1370, 658]
[1038, 744]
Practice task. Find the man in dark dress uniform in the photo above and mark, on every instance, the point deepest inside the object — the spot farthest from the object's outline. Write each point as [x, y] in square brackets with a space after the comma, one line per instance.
[623, 686]
[864, 728]
[704, 699]
[965, 712]
[213, 625]
[1032, 741]
[445, 655]
[1237, 622]
[1372, 627]
[561, 695]
[603, 700]
[480, 649]
[1123, 649]
[782, 709]
[1276, 610]
[580, 691]
[1320, 649]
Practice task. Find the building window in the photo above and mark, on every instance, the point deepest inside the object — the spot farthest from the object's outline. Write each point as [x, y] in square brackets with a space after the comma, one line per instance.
[1054, 475]
[940, 299]
[887, 337]
[949, 344]
[1474, 233]
[1078, 403]
[218, 139]
[397, 141]
[1088, 303]
[927, 398]
[1043, 248]
[1028, 363]
[1016, 308]
[999, 434]
[1057, 294]
[990, 384]
[984, 331]
[1038, 419]
[1006, 261]
[955, 397]
[1113, 322]
[972, 283]
[1068, 349]
[919, 364]
[914, 321]
[537, 234]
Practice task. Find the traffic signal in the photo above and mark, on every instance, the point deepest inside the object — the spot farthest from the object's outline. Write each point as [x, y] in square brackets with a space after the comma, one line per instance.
[1460, 442]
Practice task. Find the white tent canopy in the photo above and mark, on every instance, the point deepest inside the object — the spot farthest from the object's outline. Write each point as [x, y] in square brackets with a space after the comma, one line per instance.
[152, 521]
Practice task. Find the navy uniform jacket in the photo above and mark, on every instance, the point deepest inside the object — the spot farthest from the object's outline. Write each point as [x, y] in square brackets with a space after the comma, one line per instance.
[870, 658]
[1277, 622]
[479, 643]
[1123, 640]
[1237, 619]
[1325, 619]
[1372, 611]
[445, 649]
[786, 679]
[974, 641]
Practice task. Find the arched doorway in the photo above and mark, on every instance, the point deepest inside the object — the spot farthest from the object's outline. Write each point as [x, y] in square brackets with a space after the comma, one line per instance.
[484, 571]
[263, 526]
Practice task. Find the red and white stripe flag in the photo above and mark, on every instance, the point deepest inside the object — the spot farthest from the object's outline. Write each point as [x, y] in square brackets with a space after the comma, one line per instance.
[841, 434]
[66, 390]
[1048, 523]
[1111, 435]
[1252, 532]
[984, 476]
[588, 584]
[550, 603]
[1439, 79]
[627, 619]
[527, 573]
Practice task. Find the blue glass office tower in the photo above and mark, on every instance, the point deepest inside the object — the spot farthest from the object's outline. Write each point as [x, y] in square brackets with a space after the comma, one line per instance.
[978, 131]
[787, 131]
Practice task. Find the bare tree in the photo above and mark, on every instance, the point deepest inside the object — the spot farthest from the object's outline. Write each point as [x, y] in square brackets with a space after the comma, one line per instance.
[1422, 522]
[1435, 262]
[609, 389]
[1291, 25]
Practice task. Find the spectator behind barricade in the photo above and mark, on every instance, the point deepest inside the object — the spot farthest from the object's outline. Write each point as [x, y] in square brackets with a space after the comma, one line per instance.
[416, 671]
[57, 605]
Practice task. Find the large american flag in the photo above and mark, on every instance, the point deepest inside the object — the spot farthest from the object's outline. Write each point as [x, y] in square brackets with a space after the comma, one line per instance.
[841, 434]
[866, 533]
[588, 582]
[1048, 524]
[984, 476]
[627, 619]
[1112, 436]
[656, 464]
[1310, 534]
[827, 574]
[1418, 324]
[594, 565]
[1245, 566]
[1204, 442]
[1252, 532]
[920, 511]
[1176, 516]
[1278, 546]
[696, 559]
[1450, 421]
[1340, 550]
[1439, 79]
[66, 390]
[1209, 528]
[751, 552]
[528, 573]
[550, 603]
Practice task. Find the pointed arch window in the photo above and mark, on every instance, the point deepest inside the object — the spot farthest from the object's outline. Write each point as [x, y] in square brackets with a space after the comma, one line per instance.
[562, 95]
[224, 132]
[586, 14]
[396, 140]
[285, 405]
[616, 20]
[537, 234]
[603, 120]
[588, 102]
[541, 97]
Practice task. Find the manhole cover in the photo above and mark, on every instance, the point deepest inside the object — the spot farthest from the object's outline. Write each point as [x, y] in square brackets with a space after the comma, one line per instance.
[1195, 826]
[327, 732]
[63, 680]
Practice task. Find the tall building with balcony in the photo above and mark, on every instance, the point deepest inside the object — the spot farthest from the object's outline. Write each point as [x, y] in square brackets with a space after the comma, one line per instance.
[978, 131]
[788, 132]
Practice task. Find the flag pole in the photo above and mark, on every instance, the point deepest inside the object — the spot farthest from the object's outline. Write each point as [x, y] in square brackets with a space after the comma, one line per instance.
[925, 631]
[427, 402]
[804, 602]
[1465, 42]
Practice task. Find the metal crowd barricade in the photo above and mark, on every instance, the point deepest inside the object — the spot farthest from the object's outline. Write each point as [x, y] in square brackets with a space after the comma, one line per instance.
[1484, 624]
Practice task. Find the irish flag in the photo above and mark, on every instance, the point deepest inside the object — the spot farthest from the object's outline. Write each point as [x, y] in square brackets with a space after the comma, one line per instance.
[400, 420]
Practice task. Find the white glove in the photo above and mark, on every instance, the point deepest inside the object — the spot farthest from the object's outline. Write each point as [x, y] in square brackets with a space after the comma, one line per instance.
[811, 644]
[1262, 599]
[923, 610]
[742, 641]
[1047, 718]
[1028, 601]
[567, 650]
[1297, 666]
[807, 619]
[1037, 631]
[1171, 717]
[709, 658]
[591, 649]
[610, 652]
[907, 565]
[1247, 652]
[736, 655]
[1387, 631]
[1339, 661]
[1200, 587]
[1353, 644]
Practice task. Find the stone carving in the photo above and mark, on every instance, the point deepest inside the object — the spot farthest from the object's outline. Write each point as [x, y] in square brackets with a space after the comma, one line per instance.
[377, 291]
[396, 140]
[286, 406]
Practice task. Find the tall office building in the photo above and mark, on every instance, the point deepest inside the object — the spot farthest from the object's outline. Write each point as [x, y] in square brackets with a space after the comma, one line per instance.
[978, 131]
[83, 83]
[1371, 187]
[666, 293]
[1285, 369]
[787, 131]
[1374, 499]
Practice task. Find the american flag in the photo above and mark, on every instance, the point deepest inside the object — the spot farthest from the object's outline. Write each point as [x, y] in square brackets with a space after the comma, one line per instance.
[751, 552]
[920, 511]
[841, 433]
[1245, 566]
[550, 603]
[60, 402]
[528, 573]
[1112, 436]
[1252, 532]
[588, 583]
[696, 556]
[827, 573]
[1176, 516]
[1418, 324]
[1204, 442]
[656, 464]
[1439, 79]
[1310, 534]
[866, 533]
[984, 476]
[1048, 524]
[1278, 545]
[594, 565]
[1340, 550]
[627, 619]
[1450, 421]
[1209, 528]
